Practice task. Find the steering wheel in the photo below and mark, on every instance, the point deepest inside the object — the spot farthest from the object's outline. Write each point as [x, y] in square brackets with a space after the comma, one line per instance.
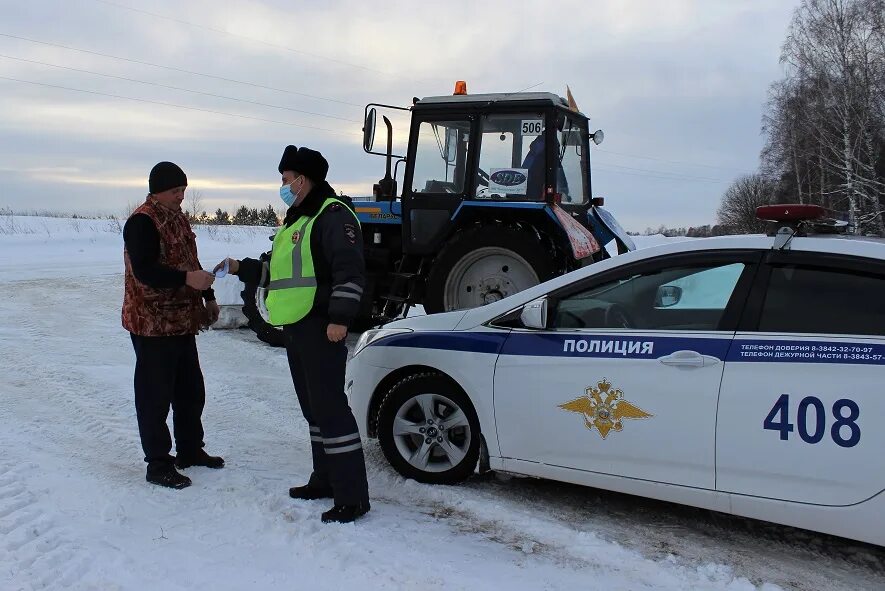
[617, 317]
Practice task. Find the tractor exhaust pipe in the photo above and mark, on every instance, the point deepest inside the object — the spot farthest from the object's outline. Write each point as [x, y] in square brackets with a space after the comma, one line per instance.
[387, 185]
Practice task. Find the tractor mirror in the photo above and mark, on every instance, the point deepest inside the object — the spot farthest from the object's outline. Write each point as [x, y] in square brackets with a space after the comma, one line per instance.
[451, 149]
[369, 131]
[534, 314]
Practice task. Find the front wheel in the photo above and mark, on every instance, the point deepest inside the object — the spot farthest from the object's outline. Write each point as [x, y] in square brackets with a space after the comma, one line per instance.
[428, 430]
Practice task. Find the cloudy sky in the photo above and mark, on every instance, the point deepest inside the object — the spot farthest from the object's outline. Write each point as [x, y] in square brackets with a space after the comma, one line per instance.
[94, 92]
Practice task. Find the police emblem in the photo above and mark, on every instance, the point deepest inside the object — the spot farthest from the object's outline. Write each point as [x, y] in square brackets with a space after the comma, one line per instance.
[296, 236]
[604, 407]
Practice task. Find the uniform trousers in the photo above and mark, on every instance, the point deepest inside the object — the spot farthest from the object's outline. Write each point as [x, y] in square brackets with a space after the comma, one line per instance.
[317, 366]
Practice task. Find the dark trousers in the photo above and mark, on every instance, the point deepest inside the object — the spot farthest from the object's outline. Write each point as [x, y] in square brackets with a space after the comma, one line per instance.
[317, 367]
[167, 373]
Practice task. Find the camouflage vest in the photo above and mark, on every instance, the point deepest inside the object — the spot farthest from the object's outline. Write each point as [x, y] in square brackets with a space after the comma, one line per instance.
[154, 312]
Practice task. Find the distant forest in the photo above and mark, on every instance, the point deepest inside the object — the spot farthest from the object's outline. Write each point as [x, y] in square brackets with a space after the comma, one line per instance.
[824, 122]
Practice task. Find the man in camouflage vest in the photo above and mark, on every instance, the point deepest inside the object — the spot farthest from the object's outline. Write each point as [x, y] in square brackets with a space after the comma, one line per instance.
[163, 309]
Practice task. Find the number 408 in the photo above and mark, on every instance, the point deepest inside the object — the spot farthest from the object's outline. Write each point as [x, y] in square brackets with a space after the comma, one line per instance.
[813, 431]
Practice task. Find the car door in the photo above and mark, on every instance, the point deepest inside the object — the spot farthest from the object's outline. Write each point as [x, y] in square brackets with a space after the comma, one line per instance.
[624, 378]
[802, 392]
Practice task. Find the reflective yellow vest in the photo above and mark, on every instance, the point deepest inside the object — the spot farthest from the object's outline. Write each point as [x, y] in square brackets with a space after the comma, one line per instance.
[293, 282]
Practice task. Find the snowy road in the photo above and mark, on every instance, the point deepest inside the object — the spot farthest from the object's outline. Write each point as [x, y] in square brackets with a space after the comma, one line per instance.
[75, 511]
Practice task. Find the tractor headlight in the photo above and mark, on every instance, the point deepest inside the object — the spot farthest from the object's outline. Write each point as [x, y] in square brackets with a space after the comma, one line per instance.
[371, 336]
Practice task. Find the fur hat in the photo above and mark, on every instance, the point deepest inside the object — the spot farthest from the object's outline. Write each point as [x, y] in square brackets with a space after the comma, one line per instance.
[304, 161]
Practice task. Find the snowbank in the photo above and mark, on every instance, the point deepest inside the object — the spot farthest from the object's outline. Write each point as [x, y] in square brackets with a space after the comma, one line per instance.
[54, 248]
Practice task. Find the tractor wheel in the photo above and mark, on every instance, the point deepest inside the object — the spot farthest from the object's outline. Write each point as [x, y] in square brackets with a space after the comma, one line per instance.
[256, 313]
[484, 265]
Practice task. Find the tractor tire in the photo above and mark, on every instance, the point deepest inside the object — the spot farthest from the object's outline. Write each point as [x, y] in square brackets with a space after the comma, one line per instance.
[257, 322]
[484, 265]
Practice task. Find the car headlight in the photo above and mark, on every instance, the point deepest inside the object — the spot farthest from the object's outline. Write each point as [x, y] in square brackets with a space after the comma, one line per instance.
[371, 336]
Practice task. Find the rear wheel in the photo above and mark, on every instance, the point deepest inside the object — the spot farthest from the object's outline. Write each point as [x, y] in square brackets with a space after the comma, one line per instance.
[428, 430]
[484, 265]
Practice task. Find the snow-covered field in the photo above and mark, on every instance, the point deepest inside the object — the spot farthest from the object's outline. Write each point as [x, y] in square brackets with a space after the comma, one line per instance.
[75, 511]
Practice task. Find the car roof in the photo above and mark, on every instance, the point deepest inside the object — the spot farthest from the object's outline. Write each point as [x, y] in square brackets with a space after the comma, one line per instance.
[862, 246]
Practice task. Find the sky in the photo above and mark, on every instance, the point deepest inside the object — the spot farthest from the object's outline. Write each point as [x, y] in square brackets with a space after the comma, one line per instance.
[93, 93]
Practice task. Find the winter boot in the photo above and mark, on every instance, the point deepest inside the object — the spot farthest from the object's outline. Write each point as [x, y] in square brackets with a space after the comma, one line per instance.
[198, 458]
[345, 513]
[164, 474]
[310, 493]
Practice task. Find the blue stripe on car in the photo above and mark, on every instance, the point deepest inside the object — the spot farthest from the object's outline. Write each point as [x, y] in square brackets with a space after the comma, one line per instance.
[602, 346]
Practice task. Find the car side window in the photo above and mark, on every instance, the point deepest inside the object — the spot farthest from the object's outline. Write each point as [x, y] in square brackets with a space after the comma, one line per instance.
[805, 299]
[674, 298]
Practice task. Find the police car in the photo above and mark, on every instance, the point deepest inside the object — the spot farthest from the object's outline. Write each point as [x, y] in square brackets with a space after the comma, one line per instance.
[741, 374]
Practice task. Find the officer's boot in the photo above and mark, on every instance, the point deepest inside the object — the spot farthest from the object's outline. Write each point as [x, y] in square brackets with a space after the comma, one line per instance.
[346, 513]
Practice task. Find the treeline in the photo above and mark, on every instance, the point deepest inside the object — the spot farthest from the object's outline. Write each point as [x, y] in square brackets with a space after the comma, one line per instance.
[704, 231]
[243, 216]
[824, 123]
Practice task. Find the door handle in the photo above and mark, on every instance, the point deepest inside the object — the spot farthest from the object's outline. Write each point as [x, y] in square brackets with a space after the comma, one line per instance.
[688, 359]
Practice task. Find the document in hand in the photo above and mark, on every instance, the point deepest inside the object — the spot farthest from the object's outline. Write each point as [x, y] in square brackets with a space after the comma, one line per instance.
[223, 271]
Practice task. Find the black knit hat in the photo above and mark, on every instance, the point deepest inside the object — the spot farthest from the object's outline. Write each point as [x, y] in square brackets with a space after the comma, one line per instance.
[304, 161]
[165, 176]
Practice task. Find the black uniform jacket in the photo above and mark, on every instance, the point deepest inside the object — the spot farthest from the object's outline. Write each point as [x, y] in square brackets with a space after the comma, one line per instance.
[336, 245]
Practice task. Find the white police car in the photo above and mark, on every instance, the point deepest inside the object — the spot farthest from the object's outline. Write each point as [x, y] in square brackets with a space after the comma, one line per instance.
[740, 374]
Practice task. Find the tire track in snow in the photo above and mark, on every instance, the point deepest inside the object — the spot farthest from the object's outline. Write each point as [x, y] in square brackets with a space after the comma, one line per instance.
[40, 551]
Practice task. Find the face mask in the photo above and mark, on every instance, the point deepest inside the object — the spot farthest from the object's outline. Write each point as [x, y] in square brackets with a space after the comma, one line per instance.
[286, 195]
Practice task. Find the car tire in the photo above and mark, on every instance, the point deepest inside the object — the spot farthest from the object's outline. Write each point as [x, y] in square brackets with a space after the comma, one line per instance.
[452, 428]
[484, 264]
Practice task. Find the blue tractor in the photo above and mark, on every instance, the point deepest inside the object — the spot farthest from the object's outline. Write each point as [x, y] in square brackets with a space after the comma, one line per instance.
[496, 198]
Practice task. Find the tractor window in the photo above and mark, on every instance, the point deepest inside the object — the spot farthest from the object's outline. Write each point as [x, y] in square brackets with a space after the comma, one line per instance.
[571, 177]
[512, 157]
[441, 157]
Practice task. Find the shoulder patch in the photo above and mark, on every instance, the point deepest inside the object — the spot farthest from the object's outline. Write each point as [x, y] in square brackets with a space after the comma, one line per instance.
[350, 232]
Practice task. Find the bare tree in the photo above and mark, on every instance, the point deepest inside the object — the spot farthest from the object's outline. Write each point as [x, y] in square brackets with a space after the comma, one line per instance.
[130, 207]
[737, 211]
[825, 122]
[194, 205]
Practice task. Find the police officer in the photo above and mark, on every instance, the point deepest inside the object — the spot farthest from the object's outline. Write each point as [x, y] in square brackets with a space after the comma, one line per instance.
[315, 282]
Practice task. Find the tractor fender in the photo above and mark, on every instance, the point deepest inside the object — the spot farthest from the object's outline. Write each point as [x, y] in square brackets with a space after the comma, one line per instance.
[569, 235]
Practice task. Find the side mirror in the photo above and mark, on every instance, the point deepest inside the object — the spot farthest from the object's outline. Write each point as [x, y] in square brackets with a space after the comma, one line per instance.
[534, 314]
[667, 296]
[369, 131]
[451, 149]
[597, 137]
